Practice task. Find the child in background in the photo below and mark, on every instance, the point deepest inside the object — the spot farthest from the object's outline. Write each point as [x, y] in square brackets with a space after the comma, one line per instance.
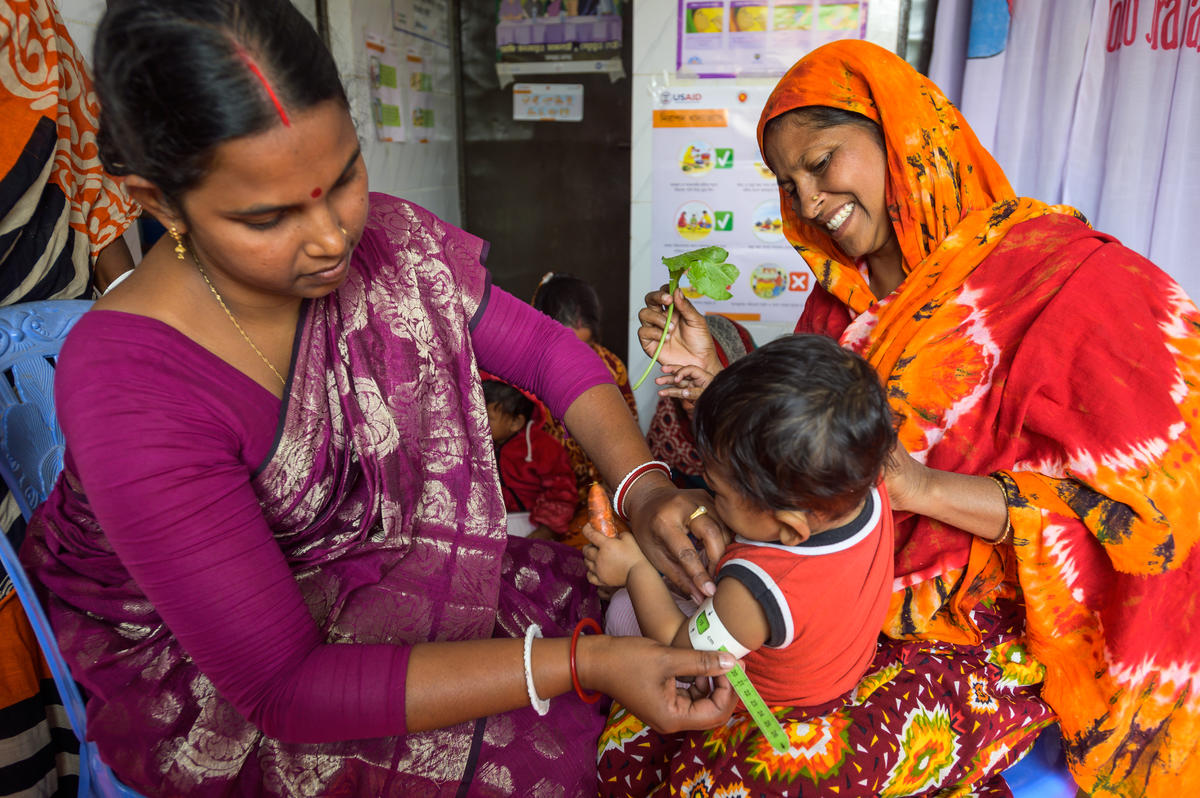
[573, 303]
[794, 437]
[535, 475]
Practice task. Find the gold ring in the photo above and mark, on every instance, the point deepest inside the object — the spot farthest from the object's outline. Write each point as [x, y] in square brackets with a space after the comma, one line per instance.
[699, 511]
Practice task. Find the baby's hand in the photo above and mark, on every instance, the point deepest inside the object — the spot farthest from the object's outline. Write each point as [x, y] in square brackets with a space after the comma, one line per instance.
[685, 383]
[609, 560]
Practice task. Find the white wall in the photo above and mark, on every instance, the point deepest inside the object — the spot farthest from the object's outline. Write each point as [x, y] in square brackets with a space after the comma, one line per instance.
[424, 173]
[654, 45]
[81, 17]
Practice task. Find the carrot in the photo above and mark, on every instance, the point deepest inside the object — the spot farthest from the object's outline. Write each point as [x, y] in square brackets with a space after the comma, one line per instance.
[600, 511]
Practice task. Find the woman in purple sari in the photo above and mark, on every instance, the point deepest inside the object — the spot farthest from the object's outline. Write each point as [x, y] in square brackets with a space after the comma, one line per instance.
[276, 559]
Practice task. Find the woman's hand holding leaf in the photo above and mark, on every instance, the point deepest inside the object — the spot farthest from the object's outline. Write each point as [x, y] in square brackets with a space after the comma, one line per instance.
[689, 342]
[711, 276]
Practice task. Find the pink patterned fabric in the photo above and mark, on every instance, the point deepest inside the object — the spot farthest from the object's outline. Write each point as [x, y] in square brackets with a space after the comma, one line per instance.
[242, 627]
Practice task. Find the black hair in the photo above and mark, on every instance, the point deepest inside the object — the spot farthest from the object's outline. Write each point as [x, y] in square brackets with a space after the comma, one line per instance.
[798, 424]
[510, 400]
[824, 116]
[570, 301]
[174, 80]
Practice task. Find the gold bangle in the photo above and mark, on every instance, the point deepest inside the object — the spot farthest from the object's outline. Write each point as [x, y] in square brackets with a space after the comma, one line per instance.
[1007, 535]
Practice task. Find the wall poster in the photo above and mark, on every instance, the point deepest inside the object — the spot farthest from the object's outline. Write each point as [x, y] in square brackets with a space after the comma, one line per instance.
[387, 95]
[711, 187]
[731, 38]
[411, 87]
[548, 102]
[425, 19]
[559, 36]
[558, 30]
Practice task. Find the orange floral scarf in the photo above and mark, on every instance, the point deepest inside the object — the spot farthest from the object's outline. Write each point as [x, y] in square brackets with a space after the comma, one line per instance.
[49, 115]
[1023, 342]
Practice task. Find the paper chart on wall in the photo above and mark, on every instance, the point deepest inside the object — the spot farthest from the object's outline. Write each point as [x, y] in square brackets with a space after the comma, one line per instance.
[710, 187]
[423, 115]
[387, 96]
[558, 30]
[548, 102]
[559, 37]
[731, 38]
[425, 19]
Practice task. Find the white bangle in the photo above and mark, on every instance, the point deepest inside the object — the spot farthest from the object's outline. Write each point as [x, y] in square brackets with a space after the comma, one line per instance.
[632, 477]
[540, 705]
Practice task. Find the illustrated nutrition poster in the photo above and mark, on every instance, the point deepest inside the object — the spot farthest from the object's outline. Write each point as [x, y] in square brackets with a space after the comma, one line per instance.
[558, 30]
[712, 189]
[728, 38]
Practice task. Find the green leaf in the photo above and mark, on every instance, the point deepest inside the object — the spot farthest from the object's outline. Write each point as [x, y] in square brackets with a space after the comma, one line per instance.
[680, 264]
[713, 279]
[708, 273]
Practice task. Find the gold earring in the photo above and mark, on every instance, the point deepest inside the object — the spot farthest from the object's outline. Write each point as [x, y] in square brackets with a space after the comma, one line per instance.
[180, 249]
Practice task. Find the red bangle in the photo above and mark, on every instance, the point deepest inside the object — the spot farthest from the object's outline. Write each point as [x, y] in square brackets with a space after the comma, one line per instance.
[586, 623]
[632, 477]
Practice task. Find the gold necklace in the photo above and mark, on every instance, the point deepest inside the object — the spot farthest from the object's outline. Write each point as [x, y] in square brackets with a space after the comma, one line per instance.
[233, 319]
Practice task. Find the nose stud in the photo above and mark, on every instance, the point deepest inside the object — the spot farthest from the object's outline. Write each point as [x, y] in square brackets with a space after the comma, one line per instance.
[816, 197]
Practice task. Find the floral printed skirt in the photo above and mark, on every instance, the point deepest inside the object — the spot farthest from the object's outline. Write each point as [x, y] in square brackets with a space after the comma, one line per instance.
[928, 719]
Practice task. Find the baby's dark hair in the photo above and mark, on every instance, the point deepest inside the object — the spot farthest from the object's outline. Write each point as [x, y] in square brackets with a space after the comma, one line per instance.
[177, 78]
[507, 398]
[570, 301]
[800, 423]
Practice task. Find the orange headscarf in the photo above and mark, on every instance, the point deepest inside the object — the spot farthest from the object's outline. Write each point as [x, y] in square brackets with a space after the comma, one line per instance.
[948, 199]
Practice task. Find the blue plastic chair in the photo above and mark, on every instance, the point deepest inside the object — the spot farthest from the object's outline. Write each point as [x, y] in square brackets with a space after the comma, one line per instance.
[1042, 773]
[31, 455]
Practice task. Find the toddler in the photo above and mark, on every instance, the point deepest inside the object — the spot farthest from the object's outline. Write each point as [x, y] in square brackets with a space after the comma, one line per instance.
[535, 475]
[794, 437]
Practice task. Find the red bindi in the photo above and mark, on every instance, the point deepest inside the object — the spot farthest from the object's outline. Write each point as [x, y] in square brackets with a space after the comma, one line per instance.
[316, 192]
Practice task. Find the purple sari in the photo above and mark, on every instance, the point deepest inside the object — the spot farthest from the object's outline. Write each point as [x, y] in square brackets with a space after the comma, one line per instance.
[381, 491]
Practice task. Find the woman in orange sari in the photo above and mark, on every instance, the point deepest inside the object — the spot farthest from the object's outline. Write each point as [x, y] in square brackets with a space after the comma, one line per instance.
[1046, 379]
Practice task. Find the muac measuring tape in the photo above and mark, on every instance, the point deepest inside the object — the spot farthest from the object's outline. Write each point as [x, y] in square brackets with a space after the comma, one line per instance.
[707, 633]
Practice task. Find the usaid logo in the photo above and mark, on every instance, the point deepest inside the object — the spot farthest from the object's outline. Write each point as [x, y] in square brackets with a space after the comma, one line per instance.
[680, 98]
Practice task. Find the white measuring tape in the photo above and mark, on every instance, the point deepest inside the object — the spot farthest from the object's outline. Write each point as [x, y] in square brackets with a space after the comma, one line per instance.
[707, 633]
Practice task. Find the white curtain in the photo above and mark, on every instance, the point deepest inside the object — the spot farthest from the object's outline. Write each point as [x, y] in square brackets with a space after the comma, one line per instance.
[1095, 103]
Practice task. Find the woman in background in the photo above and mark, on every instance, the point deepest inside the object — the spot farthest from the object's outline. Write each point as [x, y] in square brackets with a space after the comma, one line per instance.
[61, 213]
[573, 303]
